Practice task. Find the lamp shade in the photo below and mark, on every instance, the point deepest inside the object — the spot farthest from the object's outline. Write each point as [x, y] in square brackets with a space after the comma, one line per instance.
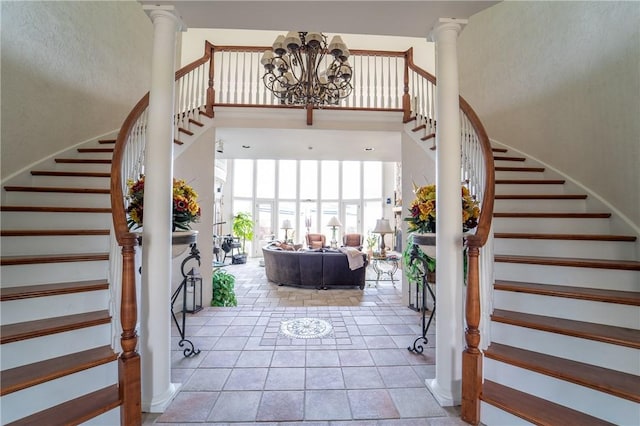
[382, 227]
[286, 224]
[334, 222]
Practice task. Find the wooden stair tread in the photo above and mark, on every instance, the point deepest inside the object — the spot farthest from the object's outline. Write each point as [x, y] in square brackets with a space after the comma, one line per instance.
[177, 142]
[51, 232]
[185, 131]
[553, 215]
[580, 237]
[55, 209]
[52, 258]
[25, 376]
[83, 160]
[427, 137]
[507, 158]
[10, 333]
[77, 410]
[530, 181]
[404, 121]
[628, 265]
[107, 141]
[533, 409]
[582, 293]
[92, 150]
[585, 330]
[540, 196]
[196, 122]
[420, 127]
[41, 290]
[622, 385]
[518, 169]
[70, 174]
[499, 150]
[57, 189]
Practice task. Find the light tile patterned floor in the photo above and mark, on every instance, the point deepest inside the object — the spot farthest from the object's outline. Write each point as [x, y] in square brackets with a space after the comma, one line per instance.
[250, 373]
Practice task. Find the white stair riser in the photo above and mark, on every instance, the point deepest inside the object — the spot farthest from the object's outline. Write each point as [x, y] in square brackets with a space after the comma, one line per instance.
[37, 398]
[597, 404]
[83, 167]
[55, 220]
[509, 163]
[29, 351]
[606, 355]
[54, 306]
[547, 206]
[65, 244]
[502, 188]
[95, 155]
[559, 307]
[110, 418]
[46, 273]
[21, 198]
[610, 279]
[519, 175]
[552, 225]
[494, 416]
[71, 181]
[613, 250]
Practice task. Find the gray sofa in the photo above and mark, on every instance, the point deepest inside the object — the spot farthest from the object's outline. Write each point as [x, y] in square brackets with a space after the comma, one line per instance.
[323, 268]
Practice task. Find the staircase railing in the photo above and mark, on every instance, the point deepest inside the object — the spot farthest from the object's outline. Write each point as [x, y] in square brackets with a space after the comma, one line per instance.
[128, 163]
[384, 80]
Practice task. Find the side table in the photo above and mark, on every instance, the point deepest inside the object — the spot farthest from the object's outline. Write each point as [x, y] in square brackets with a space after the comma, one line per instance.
[387, 265]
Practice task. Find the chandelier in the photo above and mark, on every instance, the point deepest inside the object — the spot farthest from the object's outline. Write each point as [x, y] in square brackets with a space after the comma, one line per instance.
[303, 70]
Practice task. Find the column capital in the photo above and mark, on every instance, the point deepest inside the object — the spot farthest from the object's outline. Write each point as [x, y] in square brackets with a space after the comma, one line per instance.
[167, 11]
[446, 24]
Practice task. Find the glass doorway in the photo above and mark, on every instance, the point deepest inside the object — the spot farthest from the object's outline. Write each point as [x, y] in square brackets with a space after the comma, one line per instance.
[264, 226]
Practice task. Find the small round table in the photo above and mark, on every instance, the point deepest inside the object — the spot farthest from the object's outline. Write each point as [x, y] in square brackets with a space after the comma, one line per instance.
[385, 265]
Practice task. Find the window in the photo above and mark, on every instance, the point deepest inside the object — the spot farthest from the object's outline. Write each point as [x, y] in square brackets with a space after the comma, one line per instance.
[287, 179]
[243, 178]
[266, 178]
[309, 182]
[330, 183]
[350, 180]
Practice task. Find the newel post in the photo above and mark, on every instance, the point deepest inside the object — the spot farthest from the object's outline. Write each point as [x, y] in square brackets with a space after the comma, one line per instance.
[211, 91]
[406, 99]
[472, 357]
[129, 361]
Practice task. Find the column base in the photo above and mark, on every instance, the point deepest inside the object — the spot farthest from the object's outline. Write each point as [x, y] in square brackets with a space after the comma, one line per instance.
[160, 403]
[445, 399]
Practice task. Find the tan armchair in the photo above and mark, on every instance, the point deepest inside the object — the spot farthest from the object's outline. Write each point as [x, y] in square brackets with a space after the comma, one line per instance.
[352, 240]
[316, 241]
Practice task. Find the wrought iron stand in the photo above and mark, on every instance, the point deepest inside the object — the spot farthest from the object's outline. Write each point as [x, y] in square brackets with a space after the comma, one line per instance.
[190, 349]
[417, 347]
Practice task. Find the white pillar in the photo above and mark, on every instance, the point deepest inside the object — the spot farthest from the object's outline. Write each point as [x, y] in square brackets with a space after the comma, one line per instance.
[157, 389]
[446, 387]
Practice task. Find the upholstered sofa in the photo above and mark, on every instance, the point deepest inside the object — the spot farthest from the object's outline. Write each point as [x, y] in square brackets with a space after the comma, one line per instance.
[323, 268]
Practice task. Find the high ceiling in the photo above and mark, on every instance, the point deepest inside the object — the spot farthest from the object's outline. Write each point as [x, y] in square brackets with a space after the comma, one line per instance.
[388, 18]
[393, 18]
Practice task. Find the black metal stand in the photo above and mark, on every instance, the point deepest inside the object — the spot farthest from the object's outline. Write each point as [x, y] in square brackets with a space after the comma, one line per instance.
[417, 347]
[190, 349]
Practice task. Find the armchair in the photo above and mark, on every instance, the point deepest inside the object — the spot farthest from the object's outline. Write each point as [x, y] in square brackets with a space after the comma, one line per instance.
[352, 240]
[316, 241]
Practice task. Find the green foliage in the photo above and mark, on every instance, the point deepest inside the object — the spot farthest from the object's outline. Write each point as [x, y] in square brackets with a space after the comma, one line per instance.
[415, 270]
[243, 227]
[223, 289]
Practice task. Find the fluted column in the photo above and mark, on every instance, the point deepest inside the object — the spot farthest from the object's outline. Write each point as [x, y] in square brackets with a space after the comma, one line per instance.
[449, 281]
[157, 389]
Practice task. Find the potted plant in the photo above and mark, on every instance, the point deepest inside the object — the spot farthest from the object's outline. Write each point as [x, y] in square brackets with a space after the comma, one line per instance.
[371, 242]
[223, 289]
[243, 229]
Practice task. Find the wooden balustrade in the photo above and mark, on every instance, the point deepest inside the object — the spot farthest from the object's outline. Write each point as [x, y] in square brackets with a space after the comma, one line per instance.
[230, 76]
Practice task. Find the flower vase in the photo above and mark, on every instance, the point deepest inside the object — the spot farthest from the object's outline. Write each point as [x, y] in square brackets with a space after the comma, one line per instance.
[426, 242]
[181, 240]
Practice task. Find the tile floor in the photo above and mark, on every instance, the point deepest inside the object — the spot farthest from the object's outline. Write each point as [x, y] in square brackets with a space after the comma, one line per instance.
[249, 372]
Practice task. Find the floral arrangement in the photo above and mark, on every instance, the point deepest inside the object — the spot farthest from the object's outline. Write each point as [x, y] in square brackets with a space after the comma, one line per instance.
[185, 207]
[423, 210]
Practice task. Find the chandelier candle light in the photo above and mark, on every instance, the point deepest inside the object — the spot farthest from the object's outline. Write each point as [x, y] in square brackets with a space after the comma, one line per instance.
[302, 69]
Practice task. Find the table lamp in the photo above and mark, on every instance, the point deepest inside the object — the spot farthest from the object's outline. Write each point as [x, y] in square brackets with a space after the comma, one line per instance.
[333, 224]
[382, 228]
[286, 225]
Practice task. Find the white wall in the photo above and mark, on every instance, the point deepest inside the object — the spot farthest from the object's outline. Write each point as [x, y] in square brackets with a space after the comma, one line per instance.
[70, 71]
[561, 81]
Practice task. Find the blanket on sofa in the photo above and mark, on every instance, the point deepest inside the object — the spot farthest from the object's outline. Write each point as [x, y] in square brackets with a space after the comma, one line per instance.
[354, 257]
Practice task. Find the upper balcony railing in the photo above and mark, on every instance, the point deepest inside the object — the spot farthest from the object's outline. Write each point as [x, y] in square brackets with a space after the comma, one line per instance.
[230, 76]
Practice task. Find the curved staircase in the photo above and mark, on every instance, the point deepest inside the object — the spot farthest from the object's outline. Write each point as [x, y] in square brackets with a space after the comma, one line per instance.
[58, 363]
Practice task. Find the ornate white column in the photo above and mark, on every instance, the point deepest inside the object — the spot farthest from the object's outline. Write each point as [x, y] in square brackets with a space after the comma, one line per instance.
[446, 387]
[155, 318]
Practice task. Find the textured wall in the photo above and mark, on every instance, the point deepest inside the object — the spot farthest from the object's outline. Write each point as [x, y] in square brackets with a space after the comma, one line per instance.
[70, 71]
[561, 81]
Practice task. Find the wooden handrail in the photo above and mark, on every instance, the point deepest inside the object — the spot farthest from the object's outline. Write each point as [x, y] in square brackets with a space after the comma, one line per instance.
[472, 356]
[129, 377]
